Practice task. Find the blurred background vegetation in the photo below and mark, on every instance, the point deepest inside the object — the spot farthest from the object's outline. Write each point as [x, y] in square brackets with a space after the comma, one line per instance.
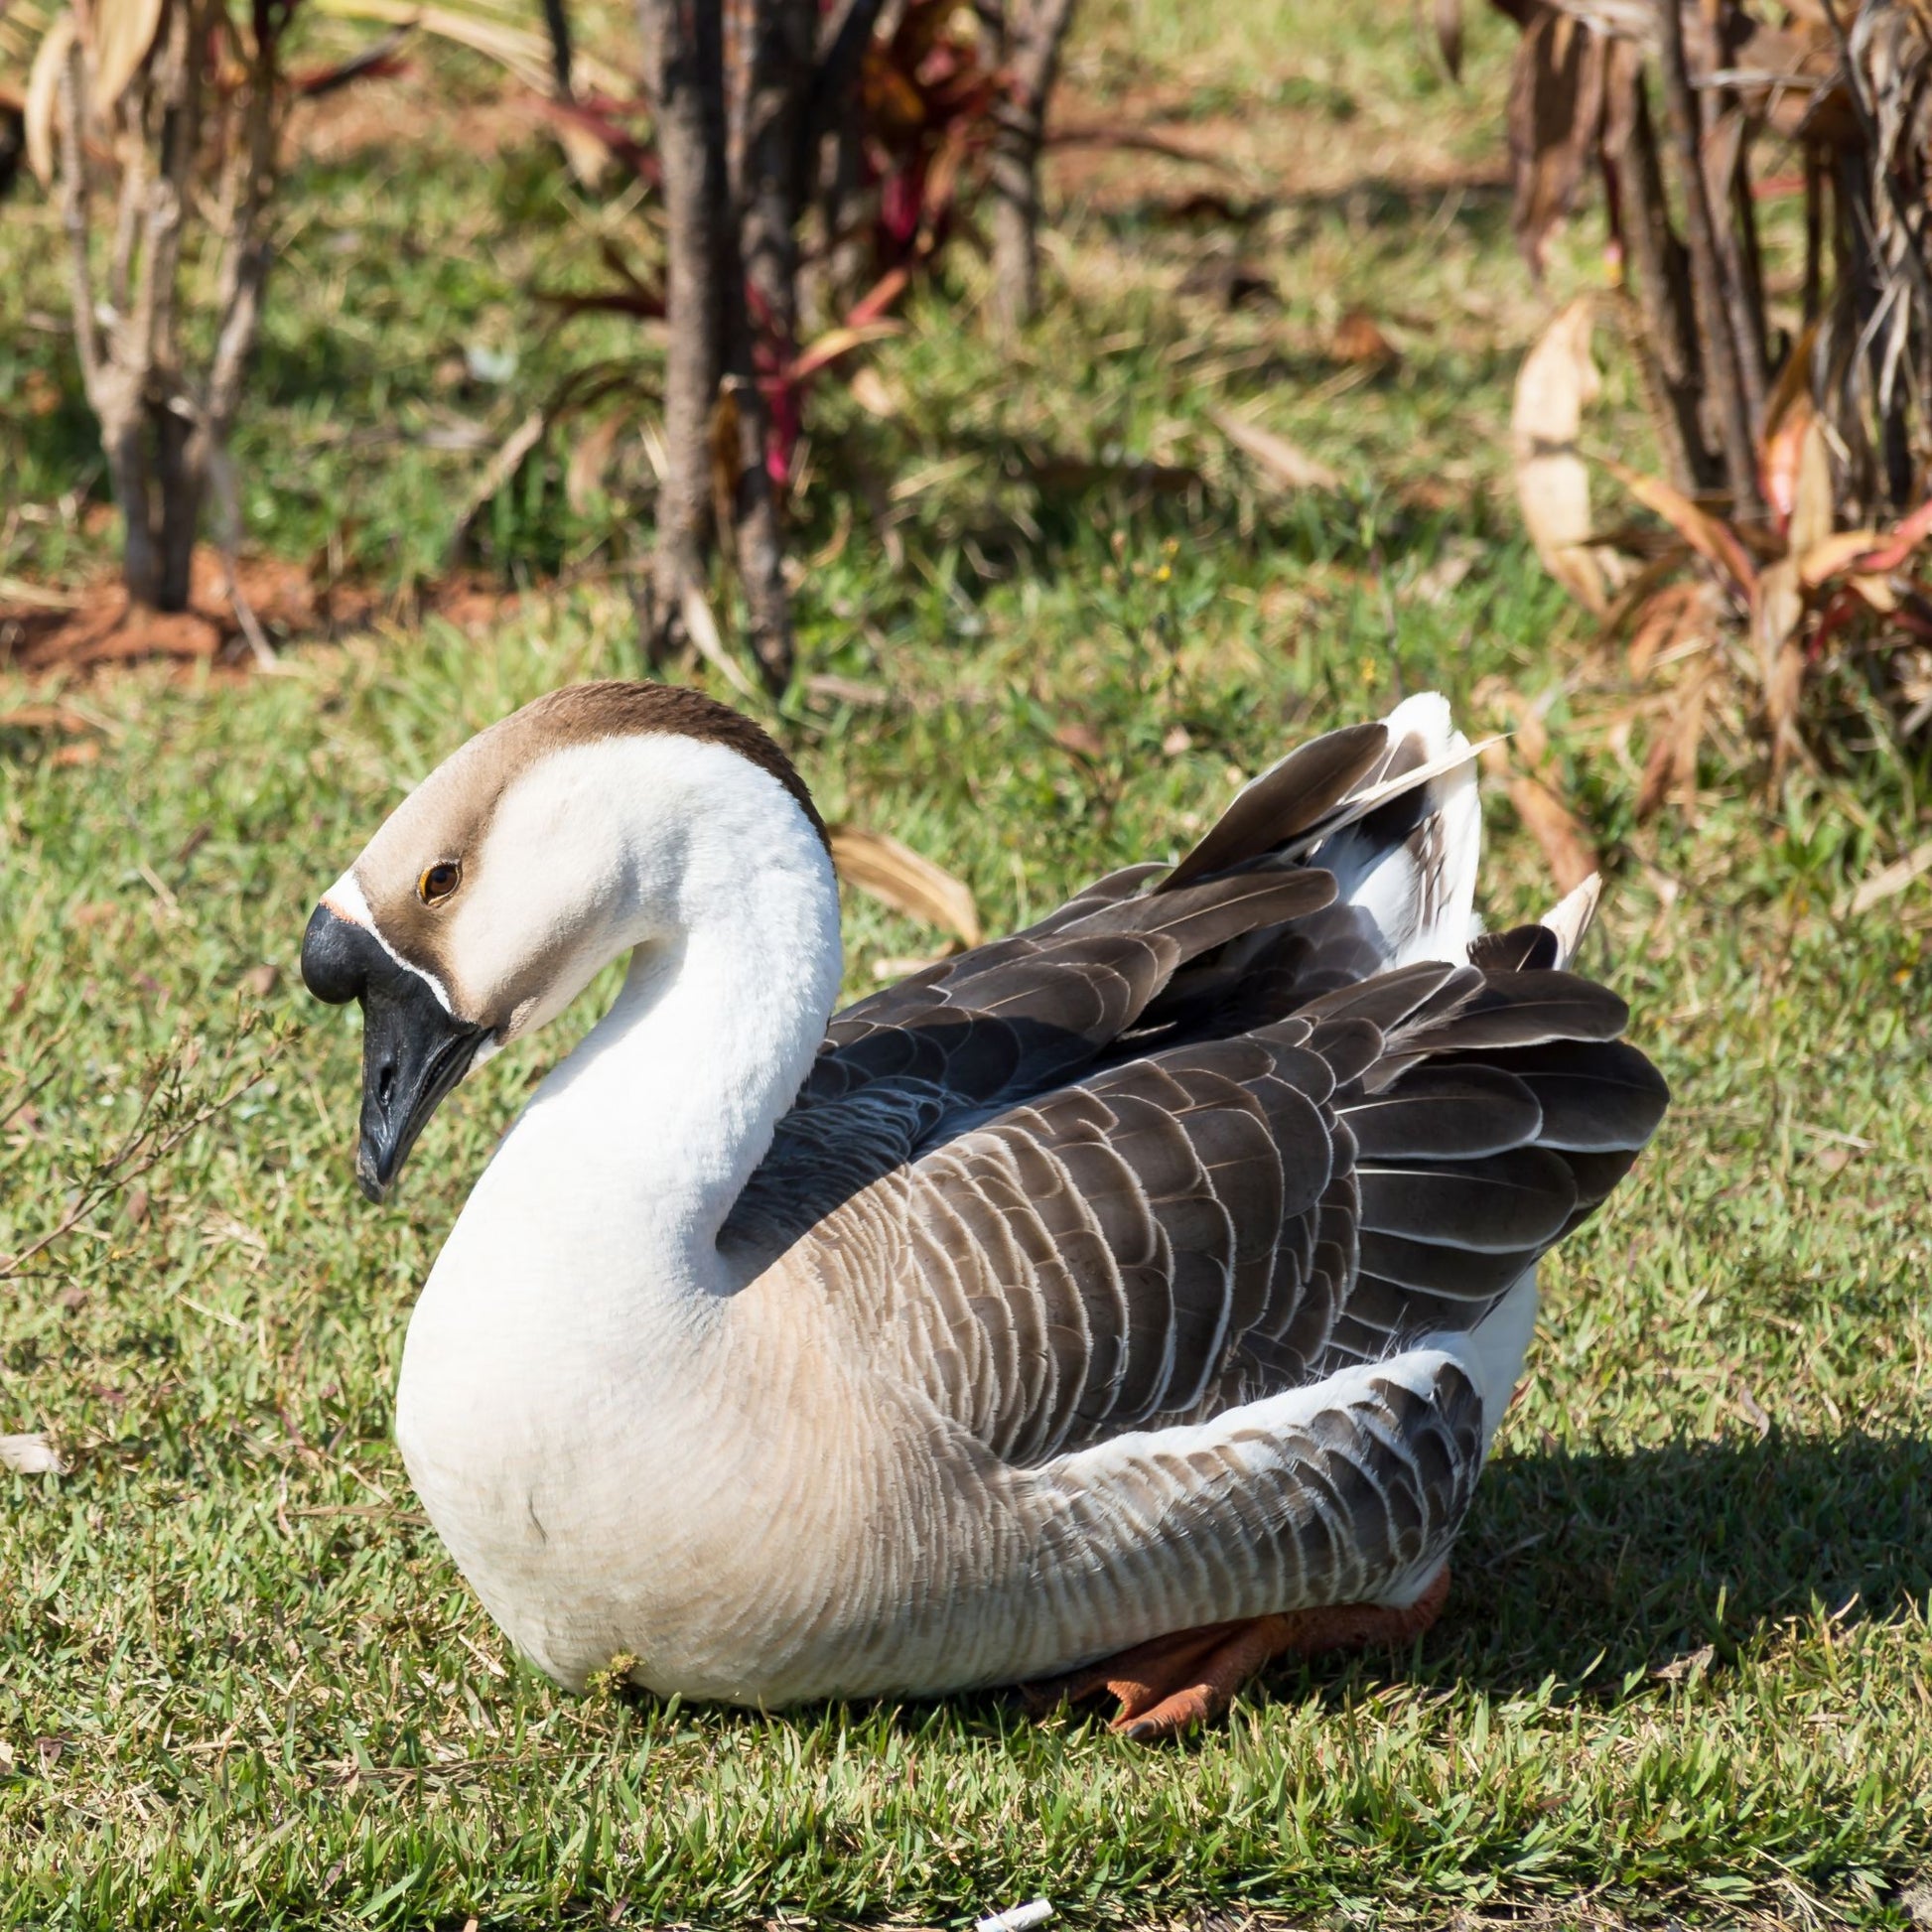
[659, 351]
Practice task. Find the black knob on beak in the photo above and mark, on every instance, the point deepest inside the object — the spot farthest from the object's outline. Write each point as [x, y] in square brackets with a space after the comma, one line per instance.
[337, 955]
[413, 1050]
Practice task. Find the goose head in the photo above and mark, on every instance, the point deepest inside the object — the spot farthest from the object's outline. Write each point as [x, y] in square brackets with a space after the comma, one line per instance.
[577, 829]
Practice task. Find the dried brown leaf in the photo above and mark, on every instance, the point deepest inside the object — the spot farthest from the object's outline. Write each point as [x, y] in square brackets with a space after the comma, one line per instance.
[1777, 611]
[1777, 614]
[589, 157]
[1566, 846]
[1555, 385]
[1556, 112]
[701, 626]
[44, 97]
[1813, 508]
[1668, 620]
[1889, 880]
[1672, 767]
[1279, 458]
[1654, 786]
[892, 873]
[1778, 463]
[1825, 560]
[1706, 534]
[1788, 412]
[1359, 339]
[122, 36]
[1793, 385]
[1877, 590]
[30, 1456]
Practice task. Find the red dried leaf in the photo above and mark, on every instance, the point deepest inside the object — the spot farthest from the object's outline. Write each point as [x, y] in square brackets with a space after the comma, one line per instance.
[1905, 537]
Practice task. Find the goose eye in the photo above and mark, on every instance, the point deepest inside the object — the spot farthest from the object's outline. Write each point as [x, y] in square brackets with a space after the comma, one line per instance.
[439, 881]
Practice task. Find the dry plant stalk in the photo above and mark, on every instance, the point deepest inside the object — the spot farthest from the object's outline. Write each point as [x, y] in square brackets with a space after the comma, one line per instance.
[171, 1109]
[770, 115]
[1795, 422]
[1028, 36]
[1683, 110]
[184, 106]
[730, 95]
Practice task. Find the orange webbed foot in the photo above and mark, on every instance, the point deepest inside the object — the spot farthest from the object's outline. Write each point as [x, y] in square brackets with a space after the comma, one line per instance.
[1170, 1683]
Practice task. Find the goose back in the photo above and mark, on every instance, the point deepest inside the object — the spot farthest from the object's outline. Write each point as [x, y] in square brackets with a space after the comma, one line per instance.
[1194, 1140]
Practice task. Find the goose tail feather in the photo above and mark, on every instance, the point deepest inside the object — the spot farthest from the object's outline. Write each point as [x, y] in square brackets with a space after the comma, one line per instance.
[1407, 864]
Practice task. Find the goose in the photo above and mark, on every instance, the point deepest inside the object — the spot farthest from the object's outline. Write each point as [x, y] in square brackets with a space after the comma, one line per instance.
[1116, 1306]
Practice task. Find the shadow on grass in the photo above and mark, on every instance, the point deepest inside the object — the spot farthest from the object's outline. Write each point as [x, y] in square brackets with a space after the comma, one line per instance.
[1648, 1555]
[1590, 1568]
[1021, 508]
[1476, 203]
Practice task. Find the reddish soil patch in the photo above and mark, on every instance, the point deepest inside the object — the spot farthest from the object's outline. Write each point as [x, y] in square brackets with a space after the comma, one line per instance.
[1227, 167]
[100, 627]
[367, 118]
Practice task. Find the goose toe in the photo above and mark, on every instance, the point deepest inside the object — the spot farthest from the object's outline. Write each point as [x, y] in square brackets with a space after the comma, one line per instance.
[1172, 1684]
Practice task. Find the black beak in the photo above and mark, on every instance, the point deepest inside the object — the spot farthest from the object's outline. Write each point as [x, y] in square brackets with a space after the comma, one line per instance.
[413, 1051]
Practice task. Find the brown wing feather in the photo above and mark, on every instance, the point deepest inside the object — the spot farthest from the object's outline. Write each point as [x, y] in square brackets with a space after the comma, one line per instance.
[914, 1062]
[1181, 1233]
[1177, 1147]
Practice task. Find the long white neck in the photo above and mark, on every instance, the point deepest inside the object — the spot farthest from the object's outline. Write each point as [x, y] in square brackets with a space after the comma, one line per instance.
[610, 1190]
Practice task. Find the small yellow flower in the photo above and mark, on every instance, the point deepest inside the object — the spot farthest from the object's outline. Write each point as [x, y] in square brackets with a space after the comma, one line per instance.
[1161, 575]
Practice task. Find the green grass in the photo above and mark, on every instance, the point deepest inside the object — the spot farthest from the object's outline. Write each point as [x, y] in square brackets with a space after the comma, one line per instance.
[1684, 1670]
